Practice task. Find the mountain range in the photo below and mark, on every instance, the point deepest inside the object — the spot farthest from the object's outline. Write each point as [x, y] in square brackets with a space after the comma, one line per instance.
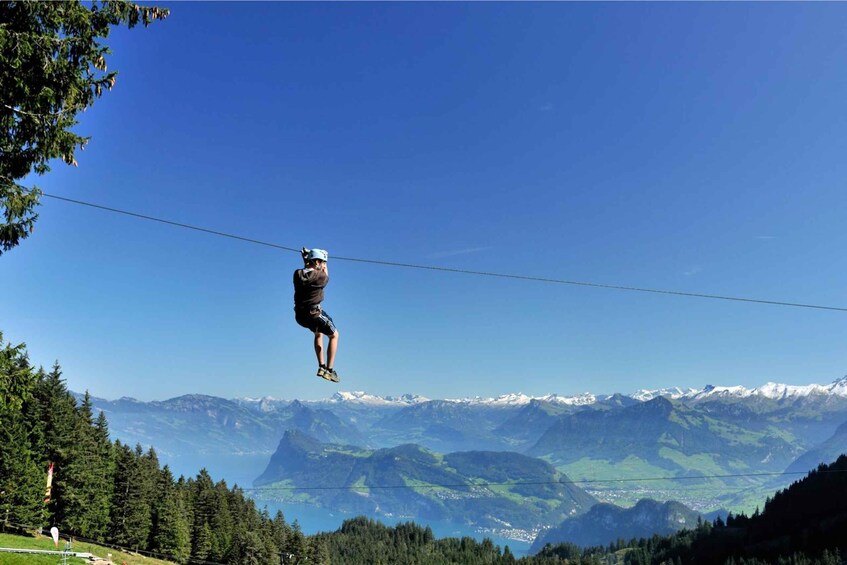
[775, 423]
[665, 434]
[706, 448]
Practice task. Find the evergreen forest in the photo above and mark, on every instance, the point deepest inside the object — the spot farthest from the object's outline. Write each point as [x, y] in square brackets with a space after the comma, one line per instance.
[118, 494]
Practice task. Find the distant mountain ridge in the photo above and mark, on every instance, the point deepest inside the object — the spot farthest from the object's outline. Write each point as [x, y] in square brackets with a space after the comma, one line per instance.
[665, 433]
[671, 433]
[770, 390]
[774, 391]
[196, 423]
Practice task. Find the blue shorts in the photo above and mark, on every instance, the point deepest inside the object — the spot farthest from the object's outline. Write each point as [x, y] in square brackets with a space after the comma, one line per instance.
[318, 321]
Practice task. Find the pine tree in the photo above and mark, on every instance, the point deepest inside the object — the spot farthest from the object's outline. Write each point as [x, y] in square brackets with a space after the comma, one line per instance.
[248, 549]
[21, 479]
[20, 476]
[273, 549]
[142, 495]
[222, 522]
[131, 520]
[280, 531]
[202, 501]
[318, 552]
[120, 493]
[295, 548]
[86, 479]
[171, 533]
[56, 411]
[201, 541]
[52, 66]
[104, 472]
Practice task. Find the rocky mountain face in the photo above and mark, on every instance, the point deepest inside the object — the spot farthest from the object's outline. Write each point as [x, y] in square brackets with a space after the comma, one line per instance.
[491, 490]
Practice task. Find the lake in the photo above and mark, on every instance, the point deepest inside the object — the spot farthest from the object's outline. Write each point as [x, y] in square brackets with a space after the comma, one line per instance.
[242, 469]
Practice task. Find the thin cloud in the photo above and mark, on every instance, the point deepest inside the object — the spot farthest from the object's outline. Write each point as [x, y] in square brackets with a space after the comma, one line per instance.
[765, 237]
[693, 271]
[546, 107]
[455, 252]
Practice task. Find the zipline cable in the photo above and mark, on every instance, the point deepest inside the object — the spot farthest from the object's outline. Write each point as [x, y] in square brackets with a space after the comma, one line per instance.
[450, 269]
[163, 221]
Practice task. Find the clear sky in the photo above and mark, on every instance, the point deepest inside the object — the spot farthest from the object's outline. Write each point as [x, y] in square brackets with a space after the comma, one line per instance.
[697, 147]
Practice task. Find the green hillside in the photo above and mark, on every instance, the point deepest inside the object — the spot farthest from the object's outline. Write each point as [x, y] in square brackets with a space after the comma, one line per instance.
[666, 434]
[665, 439]
[46, 543]
[485, 489]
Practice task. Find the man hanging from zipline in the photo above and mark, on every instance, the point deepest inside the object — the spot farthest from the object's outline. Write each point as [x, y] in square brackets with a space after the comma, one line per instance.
[309, 284]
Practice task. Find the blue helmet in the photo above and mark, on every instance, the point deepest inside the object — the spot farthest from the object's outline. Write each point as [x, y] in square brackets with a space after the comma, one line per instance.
[319, 254]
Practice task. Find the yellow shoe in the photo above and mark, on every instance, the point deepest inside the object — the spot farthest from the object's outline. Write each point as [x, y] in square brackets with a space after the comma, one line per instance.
[328, 374]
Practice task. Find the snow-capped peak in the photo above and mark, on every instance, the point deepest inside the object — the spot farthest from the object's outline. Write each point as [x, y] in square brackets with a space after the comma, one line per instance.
[361, 397]
[770, 390]
[839, 386]
[261, 399]
[736, 391]
[777, 391]
[583, 399]
[774, 391]
[263, 404]
[672, 392]
[513, 399]
[520, 399]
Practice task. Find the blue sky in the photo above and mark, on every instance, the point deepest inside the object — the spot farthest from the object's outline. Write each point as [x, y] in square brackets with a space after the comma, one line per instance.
[696, 147]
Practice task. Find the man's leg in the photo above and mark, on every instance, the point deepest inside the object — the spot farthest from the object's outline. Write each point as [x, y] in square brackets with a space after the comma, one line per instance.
[332, 347]
[319, 348]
